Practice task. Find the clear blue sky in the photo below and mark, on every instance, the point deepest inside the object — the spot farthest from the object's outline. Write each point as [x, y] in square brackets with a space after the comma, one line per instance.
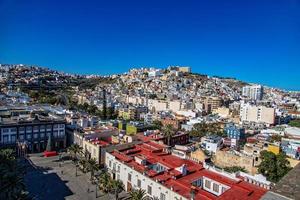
[255, 40]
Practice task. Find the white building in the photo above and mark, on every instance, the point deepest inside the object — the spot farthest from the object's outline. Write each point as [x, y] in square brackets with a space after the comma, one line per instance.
[150, 167]
[211, 143]
[254, 92]
[154, 72]
[257, 114]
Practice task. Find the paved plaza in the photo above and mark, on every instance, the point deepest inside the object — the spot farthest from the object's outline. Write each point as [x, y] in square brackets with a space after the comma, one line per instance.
[50, 179]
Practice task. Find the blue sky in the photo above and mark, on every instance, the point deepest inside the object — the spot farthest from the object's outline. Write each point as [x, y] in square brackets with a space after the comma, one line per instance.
[256, 41]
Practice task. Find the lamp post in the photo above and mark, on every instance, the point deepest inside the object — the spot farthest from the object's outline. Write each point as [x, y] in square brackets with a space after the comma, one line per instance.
[76, 166]
[96, 189]
[59, 160]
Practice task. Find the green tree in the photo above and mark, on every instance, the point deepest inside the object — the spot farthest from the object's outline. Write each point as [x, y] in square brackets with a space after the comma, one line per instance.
[117, 187]
[199, 130]
[203, 129]
[62, 99]
[295, 123]
[92, 166]
[105, 182]
[92, 109]
[274, 167]
[111, 113]
[157, 124]
[75, 149]
[235, 169]
[11, 176]
[84, 165]
[138, 194]
[168, 131]
[104, 104]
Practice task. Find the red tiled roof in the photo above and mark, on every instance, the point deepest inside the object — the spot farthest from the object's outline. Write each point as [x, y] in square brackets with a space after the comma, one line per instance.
[154, 153]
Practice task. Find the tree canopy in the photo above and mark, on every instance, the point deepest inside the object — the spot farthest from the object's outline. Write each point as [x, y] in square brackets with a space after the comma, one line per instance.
[203, 129]
[11, 176]
[295, 123]
[274, 167]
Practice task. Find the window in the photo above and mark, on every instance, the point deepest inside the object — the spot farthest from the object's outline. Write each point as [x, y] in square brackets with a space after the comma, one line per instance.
[162, 196]
[149, 190]
[109, 161]
[13, 138]
[29, 136]
[119, 168]
[55, 133]
[61, 133]
[129, 177]
[21, 137]
[223, 189]
[28, 129]
[216, 187]
[139, 183]
[42, 135]
[13, 130]
[197, 183]
[35, 136]
[5, 139]
[48, 134]
[42, 127]
[35, 128]
[207, 184]
[5, 130]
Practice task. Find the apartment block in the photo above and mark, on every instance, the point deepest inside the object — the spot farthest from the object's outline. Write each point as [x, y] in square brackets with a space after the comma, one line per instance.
[257, 114]
[254, 92]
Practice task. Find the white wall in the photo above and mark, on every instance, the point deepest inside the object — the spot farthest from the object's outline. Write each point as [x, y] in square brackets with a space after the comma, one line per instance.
[122, 175]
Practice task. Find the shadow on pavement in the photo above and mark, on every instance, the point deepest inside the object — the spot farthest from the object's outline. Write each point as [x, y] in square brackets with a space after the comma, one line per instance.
[43, 184]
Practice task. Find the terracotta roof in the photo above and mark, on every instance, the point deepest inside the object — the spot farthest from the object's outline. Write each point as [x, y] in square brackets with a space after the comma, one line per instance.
[181, 184]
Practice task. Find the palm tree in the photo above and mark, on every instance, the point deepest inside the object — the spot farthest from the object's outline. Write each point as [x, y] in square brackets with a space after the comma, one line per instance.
[138, 194]
[168, 131]
[117, 187]
[105, 182]
[83, 164]
[11, 176]
[75, 149]
[92, 166]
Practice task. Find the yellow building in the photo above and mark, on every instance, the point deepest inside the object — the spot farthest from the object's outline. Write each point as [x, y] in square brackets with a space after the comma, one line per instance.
[274, 149]
[127, 113]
